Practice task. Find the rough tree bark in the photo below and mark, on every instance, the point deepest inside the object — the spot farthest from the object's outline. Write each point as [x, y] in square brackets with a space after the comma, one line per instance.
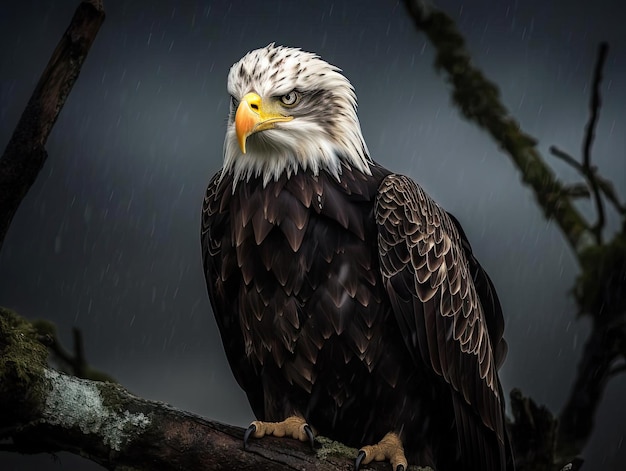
[599, 289]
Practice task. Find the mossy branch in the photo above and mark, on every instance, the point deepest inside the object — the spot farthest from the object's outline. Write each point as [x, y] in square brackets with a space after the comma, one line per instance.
[479, 100]
[43, 410]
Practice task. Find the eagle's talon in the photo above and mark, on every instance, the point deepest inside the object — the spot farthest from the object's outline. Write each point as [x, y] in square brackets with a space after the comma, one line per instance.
[249, 431]
[293, 427]
[388, 449]
[309, 433]
[359, 459]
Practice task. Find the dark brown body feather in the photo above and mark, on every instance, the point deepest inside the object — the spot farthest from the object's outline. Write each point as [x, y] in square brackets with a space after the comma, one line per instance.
[359, 305]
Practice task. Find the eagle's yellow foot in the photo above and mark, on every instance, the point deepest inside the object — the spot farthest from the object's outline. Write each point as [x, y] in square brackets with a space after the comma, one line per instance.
[294, 427]
[389, 448]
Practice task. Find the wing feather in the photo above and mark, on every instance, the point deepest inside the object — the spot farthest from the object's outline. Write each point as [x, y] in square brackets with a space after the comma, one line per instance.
[429, 274]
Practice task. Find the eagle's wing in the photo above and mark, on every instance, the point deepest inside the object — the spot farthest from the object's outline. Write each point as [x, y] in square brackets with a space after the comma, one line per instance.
[435, 301]
[215, 230]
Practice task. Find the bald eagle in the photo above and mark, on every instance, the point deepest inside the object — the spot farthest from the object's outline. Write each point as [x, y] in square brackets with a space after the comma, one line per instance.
[349, 303]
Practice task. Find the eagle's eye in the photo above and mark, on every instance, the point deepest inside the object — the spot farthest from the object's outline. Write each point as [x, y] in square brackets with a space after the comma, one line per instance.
[290, 99]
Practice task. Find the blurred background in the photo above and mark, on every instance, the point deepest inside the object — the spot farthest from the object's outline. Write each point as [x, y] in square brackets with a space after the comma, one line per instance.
[107, 240]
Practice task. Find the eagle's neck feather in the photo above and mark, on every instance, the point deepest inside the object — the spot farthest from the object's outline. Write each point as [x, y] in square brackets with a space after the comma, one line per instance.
[269, 157]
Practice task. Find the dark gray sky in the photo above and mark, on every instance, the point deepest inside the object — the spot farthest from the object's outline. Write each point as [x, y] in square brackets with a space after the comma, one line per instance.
[108, 238]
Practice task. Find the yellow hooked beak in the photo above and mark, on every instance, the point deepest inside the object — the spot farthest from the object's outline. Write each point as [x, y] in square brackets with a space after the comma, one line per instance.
[253, 116]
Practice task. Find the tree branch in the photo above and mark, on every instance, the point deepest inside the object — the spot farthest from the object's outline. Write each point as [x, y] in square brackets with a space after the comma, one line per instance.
[590, 171]
[42, 410]
[25, 153]
[577, 419]
[594, 104]
[479, 100]
[568, 159]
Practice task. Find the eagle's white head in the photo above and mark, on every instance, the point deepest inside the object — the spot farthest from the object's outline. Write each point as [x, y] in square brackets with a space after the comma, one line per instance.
[291, 111]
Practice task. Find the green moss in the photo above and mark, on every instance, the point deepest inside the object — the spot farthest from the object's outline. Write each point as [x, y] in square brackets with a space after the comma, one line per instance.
[22, 362]
[22, 353]
[113, 397]
[332, 448]
[44, 327]
[599, 288]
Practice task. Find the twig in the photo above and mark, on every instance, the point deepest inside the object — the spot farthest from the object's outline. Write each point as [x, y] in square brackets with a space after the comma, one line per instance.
[597, 183]
[590, 171]
[568, 159]
[594, 104]
[74, 362]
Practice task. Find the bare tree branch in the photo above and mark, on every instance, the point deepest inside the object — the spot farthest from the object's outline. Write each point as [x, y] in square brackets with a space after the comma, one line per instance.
[568, 159]
[594, 104]
[590, 171]
[586, 169]
[25, 153]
